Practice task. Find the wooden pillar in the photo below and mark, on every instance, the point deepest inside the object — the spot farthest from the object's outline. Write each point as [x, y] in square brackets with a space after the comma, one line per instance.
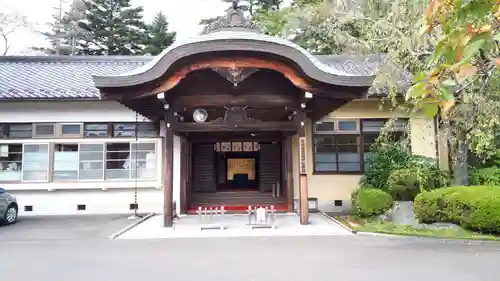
[183, 177]
[303, 192]
[288, 171]
[168, 180]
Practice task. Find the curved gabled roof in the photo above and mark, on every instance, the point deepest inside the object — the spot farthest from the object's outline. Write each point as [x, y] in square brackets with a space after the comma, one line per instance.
[235, 34]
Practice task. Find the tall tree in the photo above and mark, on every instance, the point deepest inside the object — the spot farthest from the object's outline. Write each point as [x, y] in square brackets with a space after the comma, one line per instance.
[461, 81]
[159, 36]
[66, 29]
[9, 22]
[116, 28]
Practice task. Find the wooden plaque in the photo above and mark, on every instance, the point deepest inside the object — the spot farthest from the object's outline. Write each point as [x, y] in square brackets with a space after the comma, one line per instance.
[225, 146]
[236, 146]
[247, 146]
[302, 156]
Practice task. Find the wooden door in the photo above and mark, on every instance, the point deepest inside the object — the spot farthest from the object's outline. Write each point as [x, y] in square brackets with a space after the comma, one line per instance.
[204, 168]
[269, 166]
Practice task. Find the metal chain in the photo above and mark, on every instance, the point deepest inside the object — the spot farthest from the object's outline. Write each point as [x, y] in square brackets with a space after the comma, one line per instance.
[135, 163]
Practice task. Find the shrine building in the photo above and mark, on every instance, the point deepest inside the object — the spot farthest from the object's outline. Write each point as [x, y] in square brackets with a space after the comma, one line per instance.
[231, 117]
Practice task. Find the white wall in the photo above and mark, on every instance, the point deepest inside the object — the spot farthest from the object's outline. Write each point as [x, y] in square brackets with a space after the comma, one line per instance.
[66, 111]
[100, 197]
[64, 202]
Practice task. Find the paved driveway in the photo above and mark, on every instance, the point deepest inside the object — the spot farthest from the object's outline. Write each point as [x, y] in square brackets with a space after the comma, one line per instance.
[63, 227]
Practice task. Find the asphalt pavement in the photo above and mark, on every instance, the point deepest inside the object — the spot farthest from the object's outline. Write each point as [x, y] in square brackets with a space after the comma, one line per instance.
[87, 254]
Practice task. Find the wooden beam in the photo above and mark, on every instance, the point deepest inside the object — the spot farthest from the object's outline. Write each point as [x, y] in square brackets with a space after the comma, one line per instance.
[222, 127]
[303, 191]
[168, 181]
[219, 100]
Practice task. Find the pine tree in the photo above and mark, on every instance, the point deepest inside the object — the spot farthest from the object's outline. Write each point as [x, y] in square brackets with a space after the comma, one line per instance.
[115, 29]
[64, 29]
[159, 36]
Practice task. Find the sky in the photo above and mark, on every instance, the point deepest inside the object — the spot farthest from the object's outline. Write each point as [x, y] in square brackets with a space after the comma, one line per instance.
[183, 17]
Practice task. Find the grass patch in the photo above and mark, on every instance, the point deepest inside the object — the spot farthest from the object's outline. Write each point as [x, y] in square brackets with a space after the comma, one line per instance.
[378, 226]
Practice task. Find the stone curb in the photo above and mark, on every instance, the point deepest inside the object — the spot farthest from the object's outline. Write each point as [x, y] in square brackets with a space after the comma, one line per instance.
[339, 223]
[443, 240]
[129, 227]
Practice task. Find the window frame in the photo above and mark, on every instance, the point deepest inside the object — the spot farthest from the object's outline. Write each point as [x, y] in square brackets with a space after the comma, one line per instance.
[49, 166]
[60, 134]
[35, 136]
[360, 143]
[8, 128]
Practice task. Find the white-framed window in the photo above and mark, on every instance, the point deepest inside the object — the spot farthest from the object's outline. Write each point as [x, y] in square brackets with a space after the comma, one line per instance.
[67, 130]
[65, 162]
[35, 162]
[44, 130]
[130, 160]
[91, 161]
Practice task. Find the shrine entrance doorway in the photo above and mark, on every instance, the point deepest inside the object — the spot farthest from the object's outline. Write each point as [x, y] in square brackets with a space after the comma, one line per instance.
[237, 172]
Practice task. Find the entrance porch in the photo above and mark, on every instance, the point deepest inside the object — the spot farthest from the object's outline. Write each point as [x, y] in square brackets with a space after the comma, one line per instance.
[237, 170]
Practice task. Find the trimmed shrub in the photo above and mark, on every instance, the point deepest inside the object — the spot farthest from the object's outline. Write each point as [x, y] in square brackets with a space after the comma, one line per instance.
[485, 176]
[405, 184]
[473, 207]
[380, 163]
[369, 202]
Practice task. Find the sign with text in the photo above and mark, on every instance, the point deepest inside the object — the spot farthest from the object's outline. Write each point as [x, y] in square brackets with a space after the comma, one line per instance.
[302, 156]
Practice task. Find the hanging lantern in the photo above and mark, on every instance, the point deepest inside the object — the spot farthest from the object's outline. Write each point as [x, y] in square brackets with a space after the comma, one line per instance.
[200, 115]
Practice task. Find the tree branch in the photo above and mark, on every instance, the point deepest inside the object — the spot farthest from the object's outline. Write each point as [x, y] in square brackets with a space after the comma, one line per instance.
[6, 44]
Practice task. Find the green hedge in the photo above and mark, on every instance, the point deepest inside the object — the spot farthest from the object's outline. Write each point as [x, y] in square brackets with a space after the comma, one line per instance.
[473, 207]
[485, 176]
[405, 184]
[369, 202]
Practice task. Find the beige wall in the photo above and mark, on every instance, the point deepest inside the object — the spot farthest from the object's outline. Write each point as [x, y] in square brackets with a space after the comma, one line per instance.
[328, 188]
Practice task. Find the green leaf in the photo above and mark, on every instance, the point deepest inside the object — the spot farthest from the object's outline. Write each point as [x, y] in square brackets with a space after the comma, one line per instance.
[430, 109]
[497, 37]
[416, 90]
[446, 93]
[419, 76]
[472, 48]
[449, 82]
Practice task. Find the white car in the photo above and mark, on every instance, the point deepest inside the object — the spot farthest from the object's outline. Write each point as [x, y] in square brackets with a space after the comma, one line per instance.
[8, 207]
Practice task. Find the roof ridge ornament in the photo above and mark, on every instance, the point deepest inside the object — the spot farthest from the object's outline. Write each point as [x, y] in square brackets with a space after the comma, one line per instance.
[234, 18]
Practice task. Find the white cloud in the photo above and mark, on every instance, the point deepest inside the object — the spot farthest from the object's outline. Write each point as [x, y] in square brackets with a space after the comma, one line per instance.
[183, 17]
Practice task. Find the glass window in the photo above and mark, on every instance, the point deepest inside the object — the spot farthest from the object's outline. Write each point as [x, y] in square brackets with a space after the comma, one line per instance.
[325, 153]
[143, 157]
[324, 126]
[95, 130]
[71, 129]
[11, 162]
[21, 130]
[35, 162]
[117, 161]
[2, 131]
[124, 130]
[65, 162]
[45, 129]
[348, 125]
[91, 161]
[147, 130]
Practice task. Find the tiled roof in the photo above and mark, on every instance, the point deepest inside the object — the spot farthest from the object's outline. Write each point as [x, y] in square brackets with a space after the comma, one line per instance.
[62, 77]
[67, 77]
